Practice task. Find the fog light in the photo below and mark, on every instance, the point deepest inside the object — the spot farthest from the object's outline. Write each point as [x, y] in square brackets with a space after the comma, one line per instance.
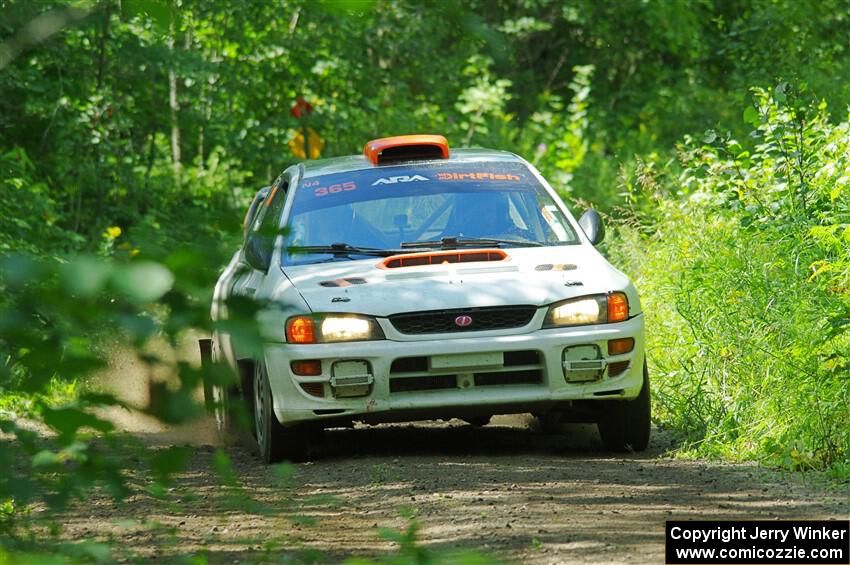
[620, 346]
[351, 378]
[311, 368]
[583, 363]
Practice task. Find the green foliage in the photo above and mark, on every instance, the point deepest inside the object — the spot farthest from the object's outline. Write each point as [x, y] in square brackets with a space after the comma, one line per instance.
[55, 317]
[137, 126]
[745, 286]
[557, 137]
[28, 210]
[579, 89]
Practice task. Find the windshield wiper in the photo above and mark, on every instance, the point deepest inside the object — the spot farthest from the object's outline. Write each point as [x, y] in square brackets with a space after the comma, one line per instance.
[342, 250]
[454, 242]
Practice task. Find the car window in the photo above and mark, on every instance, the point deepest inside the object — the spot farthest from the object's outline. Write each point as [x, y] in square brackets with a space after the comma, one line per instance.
[271, 208]
[384, 206]
[251, 213]
[407, 215]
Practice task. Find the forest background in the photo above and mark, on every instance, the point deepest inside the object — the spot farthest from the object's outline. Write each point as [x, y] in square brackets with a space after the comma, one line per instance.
[712, 133]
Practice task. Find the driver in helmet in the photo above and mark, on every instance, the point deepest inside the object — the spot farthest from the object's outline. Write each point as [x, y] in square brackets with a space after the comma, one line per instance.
[485, 215]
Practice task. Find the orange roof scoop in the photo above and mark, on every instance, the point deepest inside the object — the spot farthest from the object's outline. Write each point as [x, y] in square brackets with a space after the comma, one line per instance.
[406, 148]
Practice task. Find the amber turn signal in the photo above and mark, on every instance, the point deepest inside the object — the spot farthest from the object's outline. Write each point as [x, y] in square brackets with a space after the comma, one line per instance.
[618, 307]
[300, 329]
[620, 346]
[311, 368]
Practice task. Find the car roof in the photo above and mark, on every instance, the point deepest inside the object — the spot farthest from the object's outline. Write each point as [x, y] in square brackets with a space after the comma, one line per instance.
[359, 162]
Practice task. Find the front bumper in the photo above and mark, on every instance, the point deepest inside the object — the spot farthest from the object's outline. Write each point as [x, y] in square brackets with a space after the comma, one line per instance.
[506, 390]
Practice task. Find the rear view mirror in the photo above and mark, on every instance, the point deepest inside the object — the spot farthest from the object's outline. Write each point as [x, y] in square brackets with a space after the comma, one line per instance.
[591, 223]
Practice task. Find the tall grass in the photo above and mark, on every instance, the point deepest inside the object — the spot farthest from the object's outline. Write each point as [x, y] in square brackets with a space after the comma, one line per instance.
[742, 259]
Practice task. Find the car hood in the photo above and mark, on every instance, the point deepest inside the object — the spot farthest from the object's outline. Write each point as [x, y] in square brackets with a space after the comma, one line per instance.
[534, 276]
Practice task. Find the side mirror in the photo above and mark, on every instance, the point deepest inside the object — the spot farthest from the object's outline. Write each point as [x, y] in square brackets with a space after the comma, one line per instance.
[258, 252]
[591, 223]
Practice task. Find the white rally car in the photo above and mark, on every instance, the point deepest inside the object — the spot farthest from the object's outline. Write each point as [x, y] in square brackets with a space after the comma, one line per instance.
[413, 283]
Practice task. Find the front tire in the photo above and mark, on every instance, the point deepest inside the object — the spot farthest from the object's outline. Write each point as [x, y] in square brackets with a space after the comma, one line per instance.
[625, 425]
[274, 442]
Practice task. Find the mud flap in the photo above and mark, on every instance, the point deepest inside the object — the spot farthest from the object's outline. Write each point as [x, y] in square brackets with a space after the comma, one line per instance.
[205, 346]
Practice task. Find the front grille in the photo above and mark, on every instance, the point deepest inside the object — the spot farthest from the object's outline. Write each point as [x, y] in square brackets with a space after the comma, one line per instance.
[526, 357]
[411, 374]
[444, 321]
[532, 376]
[427, 382]
[420, 364]
[409, 365]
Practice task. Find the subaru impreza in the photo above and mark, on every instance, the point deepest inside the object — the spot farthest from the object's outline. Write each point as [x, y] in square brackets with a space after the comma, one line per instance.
[415, 282]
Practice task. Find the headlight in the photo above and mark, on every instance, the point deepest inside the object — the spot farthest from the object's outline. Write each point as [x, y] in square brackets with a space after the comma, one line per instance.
[332, 328]
[577, 312]
[600, 309]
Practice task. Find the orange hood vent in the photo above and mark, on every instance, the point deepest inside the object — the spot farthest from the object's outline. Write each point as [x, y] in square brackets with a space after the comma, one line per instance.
[442, 257]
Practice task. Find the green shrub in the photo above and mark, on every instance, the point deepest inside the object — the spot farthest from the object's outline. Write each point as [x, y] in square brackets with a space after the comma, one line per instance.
[742, 260]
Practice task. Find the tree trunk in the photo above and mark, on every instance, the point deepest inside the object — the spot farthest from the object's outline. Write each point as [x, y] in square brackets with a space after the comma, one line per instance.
[175, 111]
[151, 160]
[206, 108]
[101, 58]
[101, 71]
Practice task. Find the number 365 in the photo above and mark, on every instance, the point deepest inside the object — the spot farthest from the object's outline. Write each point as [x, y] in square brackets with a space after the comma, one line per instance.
[334, 188]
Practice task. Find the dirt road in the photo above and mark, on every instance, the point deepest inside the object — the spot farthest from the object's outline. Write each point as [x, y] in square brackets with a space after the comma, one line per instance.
[503, 490]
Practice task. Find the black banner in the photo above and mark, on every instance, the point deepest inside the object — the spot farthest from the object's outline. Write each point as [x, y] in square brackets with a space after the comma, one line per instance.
[808, 542]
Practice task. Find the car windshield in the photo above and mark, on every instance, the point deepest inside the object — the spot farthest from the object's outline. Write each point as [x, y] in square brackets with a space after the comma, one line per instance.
[353, 215]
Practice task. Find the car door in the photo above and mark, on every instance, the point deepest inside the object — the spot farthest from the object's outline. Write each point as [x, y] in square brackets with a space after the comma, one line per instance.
[237, 263]
[246, 279]
[232, 280]
[265, 221]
